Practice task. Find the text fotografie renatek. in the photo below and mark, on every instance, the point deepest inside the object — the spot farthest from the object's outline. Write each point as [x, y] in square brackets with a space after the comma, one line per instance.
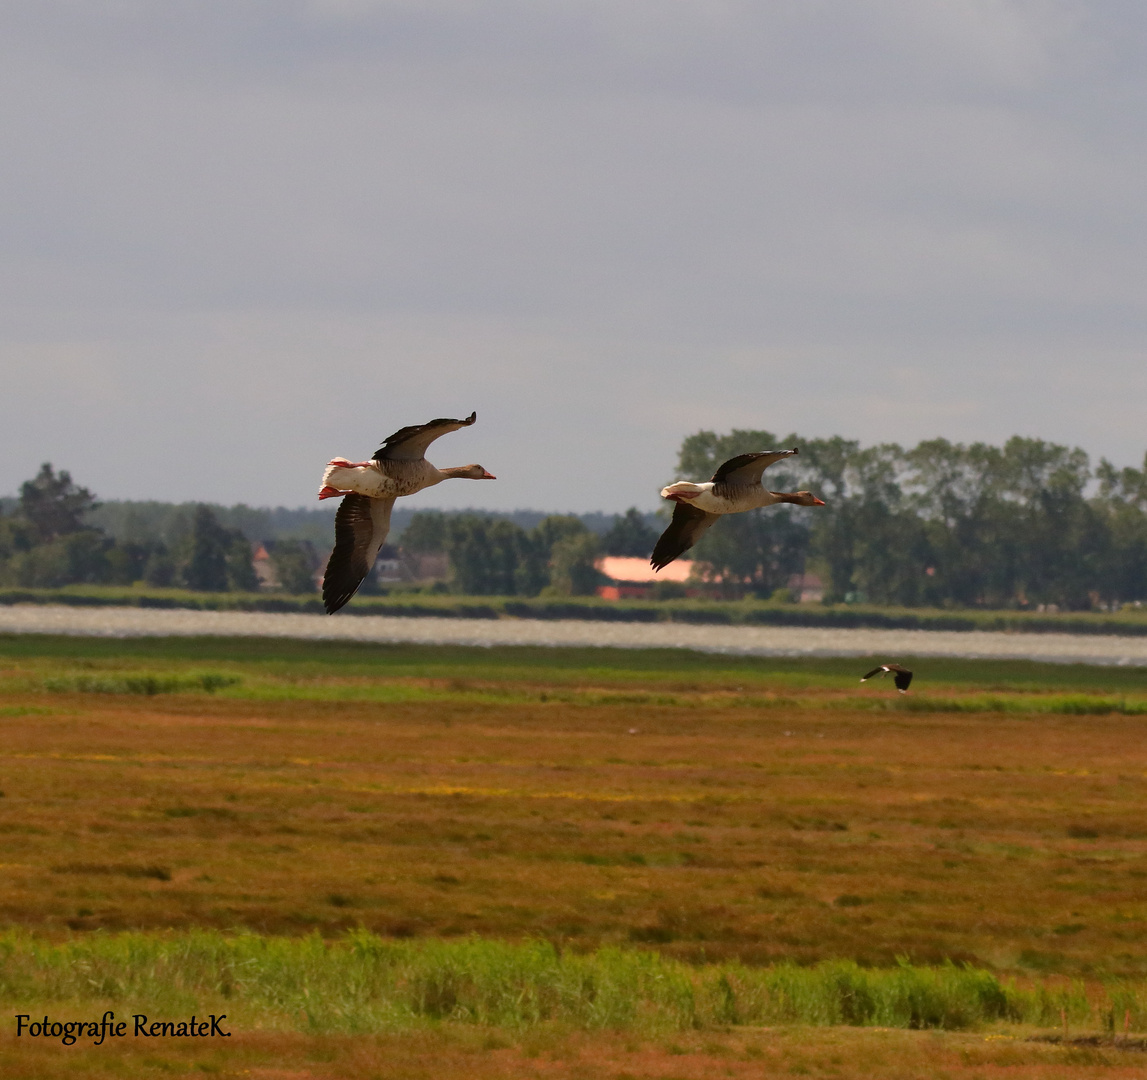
[68, 1031]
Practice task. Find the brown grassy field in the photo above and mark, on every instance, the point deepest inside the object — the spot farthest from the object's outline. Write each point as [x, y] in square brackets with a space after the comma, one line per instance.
[830, 1053]
[712, 808]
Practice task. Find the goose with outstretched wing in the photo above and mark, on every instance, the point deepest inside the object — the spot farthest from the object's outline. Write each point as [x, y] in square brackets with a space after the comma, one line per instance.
[368, 490]
[901, 676]
[735, 487]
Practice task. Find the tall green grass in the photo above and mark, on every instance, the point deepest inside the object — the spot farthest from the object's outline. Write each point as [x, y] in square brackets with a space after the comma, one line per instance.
[365, 983]
[391, 691]
[296, 659]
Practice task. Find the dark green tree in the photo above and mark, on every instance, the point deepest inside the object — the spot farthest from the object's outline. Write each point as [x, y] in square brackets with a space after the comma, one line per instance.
[556, 527]
[573, 569]
[485, 555]
[78, 558]
[160, 569]
[241, 576]
[215, 558]
[1122, 496]
[127, 561]
[1009, 525]
[629, 535]
[53, 505]
[294, 562]
[868, 537]
[205, 568]
[47, 543]
[425, 533]
[16, 537]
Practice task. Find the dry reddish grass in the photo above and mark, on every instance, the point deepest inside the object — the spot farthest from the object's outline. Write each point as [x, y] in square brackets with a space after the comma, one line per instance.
[721, 831]
[714, 829]
[838, 1053]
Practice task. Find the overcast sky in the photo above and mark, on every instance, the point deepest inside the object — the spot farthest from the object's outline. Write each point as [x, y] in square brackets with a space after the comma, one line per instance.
[238, 237]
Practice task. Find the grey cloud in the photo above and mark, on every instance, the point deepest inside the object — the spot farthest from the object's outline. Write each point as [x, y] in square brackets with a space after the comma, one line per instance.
[248, 228]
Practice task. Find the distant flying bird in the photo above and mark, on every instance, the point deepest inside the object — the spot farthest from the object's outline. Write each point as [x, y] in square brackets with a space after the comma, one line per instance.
[369, 489]
[736, 486]
[901, 675]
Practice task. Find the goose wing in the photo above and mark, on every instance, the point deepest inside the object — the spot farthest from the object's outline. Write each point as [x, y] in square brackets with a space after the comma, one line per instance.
[747, 468]
[361, 525]
[901, 676]
[684, 531]
[410, 443]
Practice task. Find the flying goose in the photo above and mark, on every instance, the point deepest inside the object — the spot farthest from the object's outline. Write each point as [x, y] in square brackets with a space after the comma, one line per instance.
[736, 486]
[368, 490]
[900, 675]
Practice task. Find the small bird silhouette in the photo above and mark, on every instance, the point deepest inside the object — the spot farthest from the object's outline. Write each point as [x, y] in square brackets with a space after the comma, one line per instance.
[901, 675]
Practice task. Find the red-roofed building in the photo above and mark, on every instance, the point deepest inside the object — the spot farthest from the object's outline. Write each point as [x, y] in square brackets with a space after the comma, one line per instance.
[632, 578]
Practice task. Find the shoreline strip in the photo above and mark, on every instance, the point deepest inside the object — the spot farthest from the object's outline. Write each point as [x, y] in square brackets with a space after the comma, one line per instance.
[733, 640]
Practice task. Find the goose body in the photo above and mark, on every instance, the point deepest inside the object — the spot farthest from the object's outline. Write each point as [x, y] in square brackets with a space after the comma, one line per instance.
[376, 481]
[368, 490]
[730, 500]
[736, 487]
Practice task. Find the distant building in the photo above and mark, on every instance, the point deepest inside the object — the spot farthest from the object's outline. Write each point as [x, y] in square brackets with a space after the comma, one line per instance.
[806, 588]
[264, 568]
[423, 568]
[388, 566]
[268, 576]
[632, 578]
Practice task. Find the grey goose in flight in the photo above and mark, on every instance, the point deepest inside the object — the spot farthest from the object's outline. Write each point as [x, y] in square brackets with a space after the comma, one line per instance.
[368, 490]
[736, 486]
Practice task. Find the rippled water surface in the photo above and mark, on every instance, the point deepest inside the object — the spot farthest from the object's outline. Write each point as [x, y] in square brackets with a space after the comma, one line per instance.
[746, 640]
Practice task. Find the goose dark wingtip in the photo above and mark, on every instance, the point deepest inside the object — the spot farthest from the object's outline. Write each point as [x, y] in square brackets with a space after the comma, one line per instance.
[333, 601]
[337, 597]
[420, 436]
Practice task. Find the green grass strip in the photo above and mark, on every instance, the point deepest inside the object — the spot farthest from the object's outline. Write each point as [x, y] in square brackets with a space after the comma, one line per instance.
[278, 687]
[364, 983]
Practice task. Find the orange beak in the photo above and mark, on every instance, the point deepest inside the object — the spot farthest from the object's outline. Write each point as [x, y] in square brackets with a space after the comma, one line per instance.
[487, 476]
[818, 502]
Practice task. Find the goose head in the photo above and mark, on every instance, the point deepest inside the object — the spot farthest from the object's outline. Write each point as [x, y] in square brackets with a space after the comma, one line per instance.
[470, 472]
[799, 498]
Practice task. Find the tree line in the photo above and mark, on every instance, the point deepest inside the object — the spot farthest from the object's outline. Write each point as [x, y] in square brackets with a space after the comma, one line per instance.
[490, 556]
[47, 540]
[941, 523]
[938, 524]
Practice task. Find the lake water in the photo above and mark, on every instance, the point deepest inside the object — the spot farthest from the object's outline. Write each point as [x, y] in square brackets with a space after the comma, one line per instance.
[741, 640]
